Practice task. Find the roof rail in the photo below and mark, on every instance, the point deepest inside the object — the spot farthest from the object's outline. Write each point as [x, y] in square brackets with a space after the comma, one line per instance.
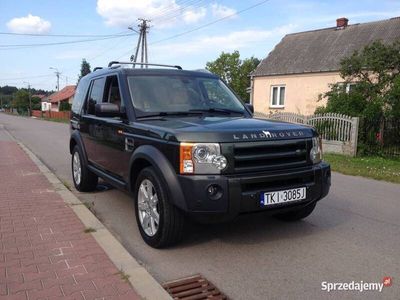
[142, 64]
[97, 68]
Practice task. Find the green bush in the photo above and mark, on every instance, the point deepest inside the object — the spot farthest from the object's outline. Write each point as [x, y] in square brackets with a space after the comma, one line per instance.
[65, 106]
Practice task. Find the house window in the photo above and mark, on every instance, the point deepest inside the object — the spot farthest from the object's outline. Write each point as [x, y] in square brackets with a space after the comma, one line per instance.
[350, 87]
[278, 96]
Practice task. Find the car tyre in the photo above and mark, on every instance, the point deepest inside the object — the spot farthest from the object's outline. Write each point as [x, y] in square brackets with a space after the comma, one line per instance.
[84, 179]
[151, 200]
[298, 214]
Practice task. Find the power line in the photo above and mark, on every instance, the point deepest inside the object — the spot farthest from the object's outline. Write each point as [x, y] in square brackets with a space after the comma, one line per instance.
[210, 23]
[21, 46]
[26, 77]
[63, 35]
[177, 12]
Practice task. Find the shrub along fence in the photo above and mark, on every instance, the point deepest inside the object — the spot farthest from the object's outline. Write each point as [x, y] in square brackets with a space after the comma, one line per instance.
[380, 136]
[59, 115]
[339, 133]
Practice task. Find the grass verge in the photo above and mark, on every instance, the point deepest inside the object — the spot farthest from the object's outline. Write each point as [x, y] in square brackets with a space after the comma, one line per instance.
[372, 167]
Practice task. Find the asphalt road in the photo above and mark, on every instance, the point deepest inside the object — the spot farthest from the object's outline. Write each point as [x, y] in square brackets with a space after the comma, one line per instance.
[353, 235]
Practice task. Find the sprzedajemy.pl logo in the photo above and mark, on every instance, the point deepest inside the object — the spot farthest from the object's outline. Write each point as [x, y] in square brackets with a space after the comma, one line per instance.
[359, 286]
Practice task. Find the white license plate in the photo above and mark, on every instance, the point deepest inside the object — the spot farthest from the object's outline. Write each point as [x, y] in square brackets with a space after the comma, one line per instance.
[276, 197]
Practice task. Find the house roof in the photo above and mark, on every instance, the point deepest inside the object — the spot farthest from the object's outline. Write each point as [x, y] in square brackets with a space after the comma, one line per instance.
[64, 94]
[322, 50]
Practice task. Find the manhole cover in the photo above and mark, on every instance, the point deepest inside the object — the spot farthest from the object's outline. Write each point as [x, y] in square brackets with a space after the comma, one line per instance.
[193, 288]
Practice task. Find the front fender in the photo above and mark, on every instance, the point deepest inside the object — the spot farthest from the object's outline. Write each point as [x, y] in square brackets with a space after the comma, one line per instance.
[163, 167]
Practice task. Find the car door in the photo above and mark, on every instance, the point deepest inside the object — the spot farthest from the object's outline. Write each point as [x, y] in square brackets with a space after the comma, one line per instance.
[90, 125]
[113, 149]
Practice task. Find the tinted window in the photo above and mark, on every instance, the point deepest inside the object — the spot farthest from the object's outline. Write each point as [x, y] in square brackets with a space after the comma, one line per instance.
[112, 93]
[154, 94]
[80, 95]
[96, 95]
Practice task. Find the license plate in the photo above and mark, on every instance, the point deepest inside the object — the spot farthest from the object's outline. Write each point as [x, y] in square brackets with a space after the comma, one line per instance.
[284, 196]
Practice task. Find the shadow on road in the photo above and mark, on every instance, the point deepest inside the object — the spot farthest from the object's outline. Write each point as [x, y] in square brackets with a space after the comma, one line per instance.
[260, 228]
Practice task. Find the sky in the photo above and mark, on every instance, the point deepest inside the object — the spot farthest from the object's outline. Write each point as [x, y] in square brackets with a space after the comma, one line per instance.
[183, 32]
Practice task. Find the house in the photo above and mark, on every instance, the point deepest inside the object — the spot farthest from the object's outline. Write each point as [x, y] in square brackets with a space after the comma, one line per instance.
[64, 95]
[303, 65]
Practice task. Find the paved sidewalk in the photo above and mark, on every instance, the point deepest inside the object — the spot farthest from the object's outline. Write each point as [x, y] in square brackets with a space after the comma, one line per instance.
[44, 251]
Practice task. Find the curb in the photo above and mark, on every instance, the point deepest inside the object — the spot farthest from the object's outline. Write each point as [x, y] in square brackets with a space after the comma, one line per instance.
[141, 280]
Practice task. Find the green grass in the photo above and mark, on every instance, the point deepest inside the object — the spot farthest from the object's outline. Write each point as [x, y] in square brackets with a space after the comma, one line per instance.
[123, 275]
[372, 167]
[89, 230]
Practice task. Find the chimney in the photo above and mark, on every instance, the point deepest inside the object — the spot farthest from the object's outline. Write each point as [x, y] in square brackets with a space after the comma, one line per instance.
[342, 23]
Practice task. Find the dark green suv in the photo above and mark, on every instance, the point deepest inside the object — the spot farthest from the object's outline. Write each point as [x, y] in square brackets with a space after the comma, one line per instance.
[185, 146]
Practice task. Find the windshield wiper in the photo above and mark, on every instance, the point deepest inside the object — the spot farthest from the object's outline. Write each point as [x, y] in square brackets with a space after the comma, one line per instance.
[225, 111]
[170, 113]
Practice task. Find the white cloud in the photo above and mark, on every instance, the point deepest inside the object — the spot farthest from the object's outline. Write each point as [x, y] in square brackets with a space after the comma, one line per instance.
[164, 12]
[235, 40]
[193, 16]
[29, 24]
[221, 11]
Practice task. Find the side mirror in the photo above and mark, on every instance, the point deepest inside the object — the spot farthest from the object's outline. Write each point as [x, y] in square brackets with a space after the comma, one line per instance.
[107, 110]
[250, 107]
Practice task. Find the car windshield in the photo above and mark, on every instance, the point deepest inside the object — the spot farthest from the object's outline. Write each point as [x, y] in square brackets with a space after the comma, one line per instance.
[161, 95]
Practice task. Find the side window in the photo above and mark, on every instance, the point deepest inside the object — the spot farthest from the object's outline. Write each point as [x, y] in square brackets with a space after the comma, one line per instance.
[112, 93]
[96, 95]
[80, 95]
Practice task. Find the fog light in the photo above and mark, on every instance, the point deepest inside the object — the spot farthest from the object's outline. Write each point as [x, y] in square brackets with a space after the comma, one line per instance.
[214, 192]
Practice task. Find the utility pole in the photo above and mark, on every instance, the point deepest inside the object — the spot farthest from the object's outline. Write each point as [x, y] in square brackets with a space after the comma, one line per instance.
[58, 77]
[30, 98]
[142, 42]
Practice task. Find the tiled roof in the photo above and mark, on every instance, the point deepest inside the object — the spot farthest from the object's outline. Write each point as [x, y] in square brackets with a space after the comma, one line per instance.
[64, 94]
[322, 50]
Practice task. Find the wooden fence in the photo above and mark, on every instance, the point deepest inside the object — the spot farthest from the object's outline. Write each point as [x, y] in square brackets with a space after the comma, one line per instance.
[339, 133]
[60, 115]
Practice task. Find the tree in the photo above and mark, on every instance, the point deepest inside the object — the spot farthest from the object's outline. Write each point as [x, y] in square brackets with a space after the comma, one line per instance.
[36, 103]
[85, 69]
[21, 101]
[375, 97]
[65, 106]
[234, 71]
[376, 72]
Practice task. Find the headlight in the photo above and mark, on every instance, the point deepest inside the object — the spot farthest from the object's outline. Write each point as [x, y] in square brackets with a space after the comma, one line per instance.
[316, 150]
[201, 158]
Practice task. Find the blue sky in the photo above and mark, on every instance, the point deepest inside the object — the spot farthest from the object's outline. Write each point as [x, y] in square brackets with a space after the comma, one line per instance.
[254, 32]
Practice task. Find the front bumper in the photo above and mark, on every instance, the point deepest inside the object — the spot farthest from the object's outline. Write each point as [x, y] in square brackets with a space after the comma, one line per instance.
[241, 193]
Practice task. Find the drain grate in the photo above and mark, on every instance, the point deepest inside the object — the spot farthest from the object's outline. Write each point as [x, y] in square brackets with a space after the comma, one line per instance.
[193, 288]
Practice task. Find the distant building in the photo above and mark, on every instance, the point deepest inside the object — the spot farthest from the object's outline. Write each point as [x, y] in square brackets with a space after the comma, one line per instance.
[53, 101]
[304, 64]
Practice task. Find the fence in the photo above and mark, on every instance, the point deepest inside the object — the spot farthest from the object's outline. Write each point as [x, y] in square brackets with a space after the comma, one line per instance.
[380, 136]
[59, 115]
[339, 133]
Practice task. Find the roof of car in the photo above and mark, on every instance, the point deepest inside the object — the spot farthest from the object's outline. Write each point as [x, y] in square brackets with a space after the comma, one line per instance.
[151, 71]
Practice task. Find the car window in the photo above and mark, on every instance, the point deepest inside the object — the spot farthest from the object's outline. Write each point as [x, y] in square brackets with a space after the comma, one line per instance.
[218, 94]
[112, 94]
[96, 95]
[157, 93]
[80, 95]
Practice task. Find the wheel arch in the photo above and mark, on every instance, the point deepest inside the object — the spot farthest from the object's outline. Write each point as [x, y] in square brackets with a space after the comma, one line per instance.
[76, 139]
[146, 156]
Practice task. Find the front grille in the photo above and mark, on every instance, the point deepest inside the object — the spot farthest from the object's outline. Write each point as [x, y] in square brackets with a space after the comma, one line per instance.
[270, 155]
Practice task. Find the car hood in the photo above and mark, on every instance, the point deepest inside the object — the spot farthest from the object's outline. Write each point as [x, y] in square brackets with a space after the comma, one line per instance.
[222, 129]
